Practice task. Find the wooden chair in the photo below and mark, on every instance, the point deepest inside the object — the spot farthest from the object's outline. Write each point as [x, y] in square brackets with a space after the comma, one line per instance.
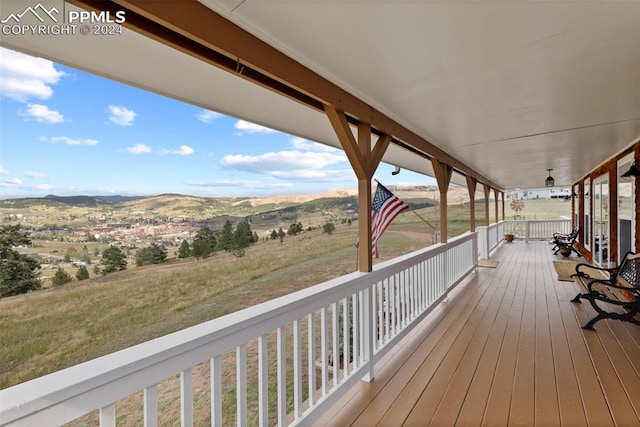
[621, 289]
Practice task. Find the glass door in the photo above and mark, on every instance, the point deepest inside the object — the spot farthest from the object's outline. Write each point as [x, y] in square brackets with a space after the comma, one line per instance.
[576, 207]
[587, 214]
[601, 220]
[626, 209]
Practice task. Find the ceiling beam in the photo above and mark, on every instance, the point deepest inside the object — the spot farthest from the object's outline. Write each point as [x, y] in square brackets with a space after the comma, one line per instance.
[357, 158]
[194, 29]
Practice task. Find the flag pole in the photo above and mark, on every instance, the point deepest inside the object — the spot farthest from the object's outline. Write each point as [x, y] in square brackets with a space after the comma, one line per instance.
[417, 214]
[424, 220]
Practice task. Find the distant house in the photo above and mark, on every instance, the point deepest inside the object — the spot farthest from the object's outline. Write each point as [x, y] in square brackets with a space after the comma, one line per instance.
[552, 193]
[560, 193]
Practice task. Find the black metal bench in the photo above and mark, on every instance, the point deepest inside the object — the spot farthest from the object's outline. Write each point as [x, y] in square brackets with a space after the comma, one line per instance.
[621, 289]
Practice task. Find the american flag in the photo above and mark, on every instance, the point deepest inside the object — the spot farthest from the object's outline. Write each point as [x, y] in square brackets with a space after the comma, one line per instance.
[384, 209]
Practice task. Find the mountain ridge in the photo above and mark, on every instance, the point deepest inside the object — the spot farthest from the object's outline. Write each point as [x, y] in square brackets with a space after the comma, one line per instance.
[339, 203]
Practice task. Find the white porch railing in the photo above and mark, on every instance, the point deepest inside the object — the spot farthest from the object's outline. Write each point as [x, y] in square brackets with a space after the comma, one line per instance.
[489, 237]
[537, 229]
[278, 352]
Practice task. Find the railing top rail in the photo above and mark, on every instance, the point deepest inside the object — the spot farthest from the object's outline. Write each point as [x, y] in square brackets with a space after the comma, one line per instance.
[562, 220]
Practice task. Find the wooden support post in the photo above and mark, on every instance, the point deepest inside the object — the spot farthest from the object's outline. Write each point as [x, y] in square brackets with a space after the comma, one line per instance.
[364, 161]
[487, 191]
[502, 194]
[495, 195]
[471, 186]
[443, 172]
[365, 247]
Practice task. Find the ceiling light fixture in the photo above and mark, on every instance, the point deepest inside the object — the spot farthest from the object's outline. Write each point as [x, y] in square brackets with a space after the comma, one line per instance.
[549, 182]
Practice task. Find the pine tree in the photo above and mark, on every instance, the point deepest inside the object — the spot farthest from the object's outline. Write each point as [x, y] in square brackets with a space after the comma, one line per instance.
[82, 273]
[204, 243]
[17, 272]
[225, 238]
[154, 254]
[61, 277]
[242, 238]
[184, 251]
[294, 229]
[113, 259]
[328, 228]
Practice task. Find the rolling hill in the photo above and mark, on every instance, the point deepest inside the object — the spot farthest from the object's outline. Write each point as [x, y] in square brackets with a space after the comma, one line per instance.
[269, 211]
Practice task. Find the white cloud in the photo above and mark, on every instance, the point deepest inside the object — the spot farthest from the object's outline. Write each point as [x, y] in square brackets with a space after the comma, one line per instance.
[69, 141]
[245, 184]
[25, 77]
[306, 145]
[184, 150]
[13, 182]
[121, 116]
[282, 160]
[34, 174]
[292, 165]
[43, 114]
[208, 116]
[317, 175]
[248, 127]
[44, 187]
[139, 149]
[4, 171]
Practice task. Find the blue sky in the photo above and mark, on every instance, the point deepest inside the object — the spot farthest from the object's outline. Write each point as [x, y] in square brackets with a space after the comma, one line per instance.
[66, 132]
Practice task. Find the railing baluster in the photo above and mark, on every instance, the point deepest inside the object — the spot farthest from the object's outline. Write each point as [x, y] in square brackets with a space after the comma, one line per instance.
[414, 291]
[108, 416]
[403, 299]
[282, 377]
[186, 401]
[380, 293]
[297, 369]
[151, 406]
[375, 321]
[334, 343]
[323, 351]
[357, 330]
[346, 343]
[216, 390]
[241, 385]
[393, 311]
[311, 331]
[387, 309]
[263, 382]
[367, 332]
[420, 286]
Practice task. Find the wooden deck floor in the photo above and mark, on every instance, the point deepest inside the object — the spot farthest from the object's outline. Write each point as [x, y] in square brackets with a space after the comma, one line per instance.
[506, 349]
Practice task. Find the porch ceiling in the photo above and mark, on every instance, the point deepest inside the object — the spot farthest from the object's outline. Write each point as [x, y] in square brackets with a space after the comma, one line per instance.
[509, 89]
